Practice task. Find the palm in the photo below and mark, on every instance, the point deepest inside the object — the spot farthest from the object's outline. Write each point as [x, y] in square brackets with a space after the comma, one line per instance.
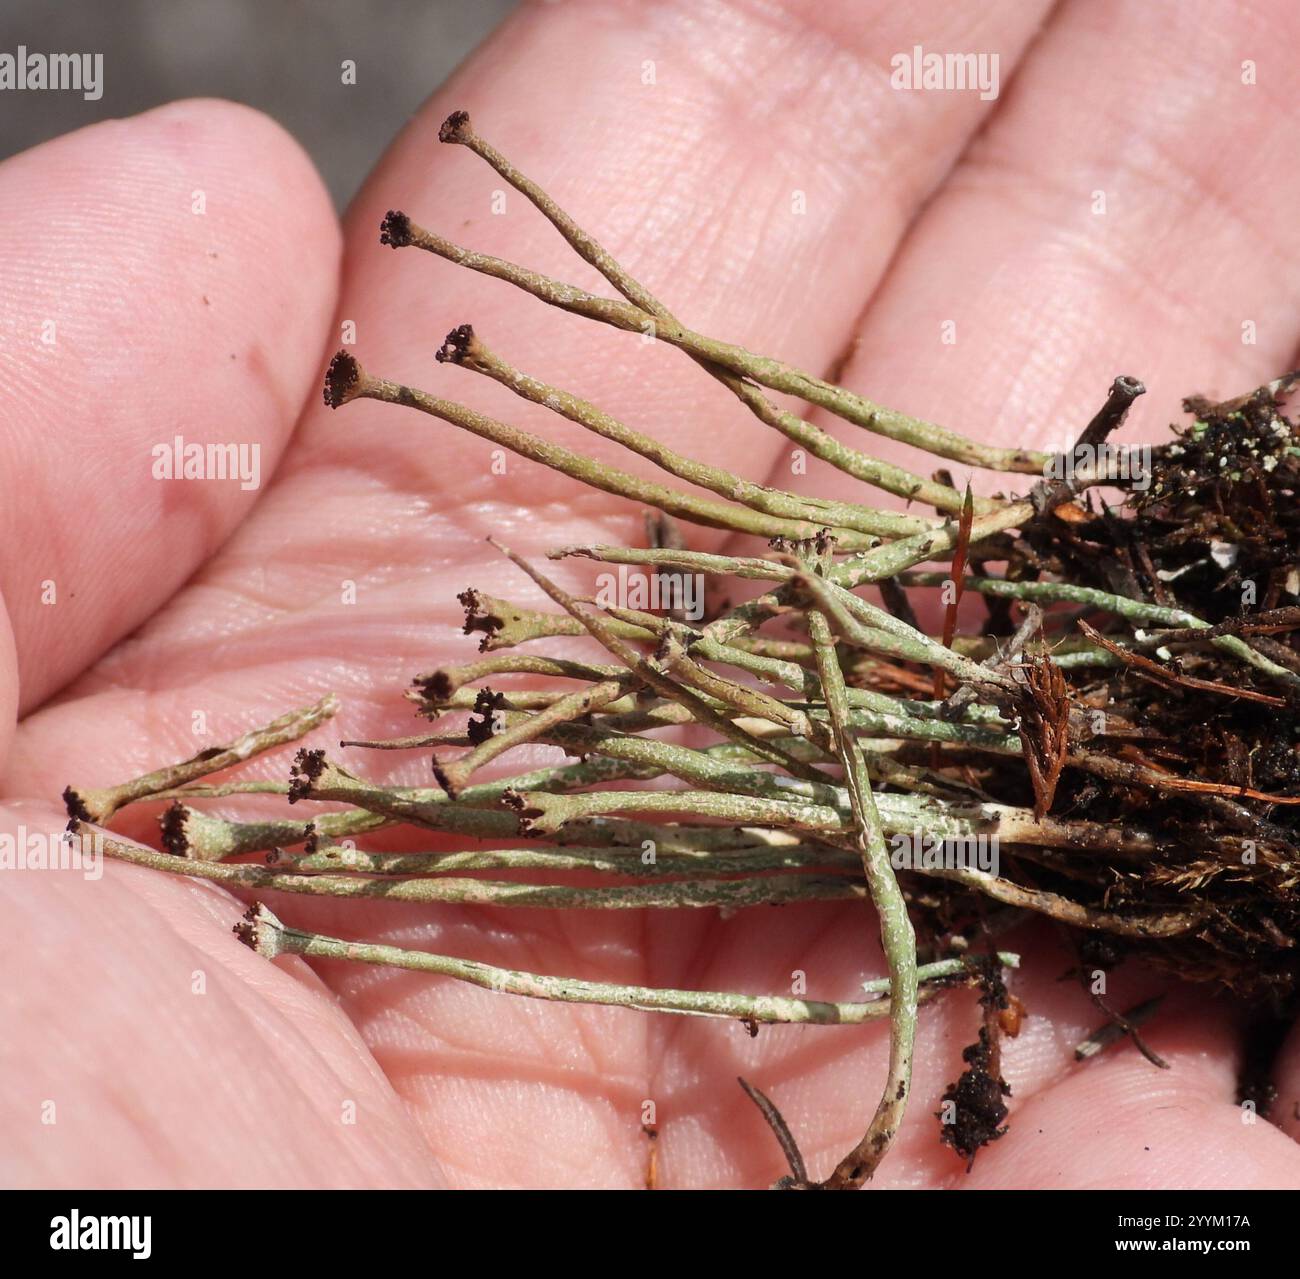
[692, 181]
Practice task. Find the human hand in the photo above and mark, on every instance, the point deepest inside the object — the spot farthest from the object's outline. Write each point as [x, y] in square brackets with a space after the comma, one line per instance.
[921, 208]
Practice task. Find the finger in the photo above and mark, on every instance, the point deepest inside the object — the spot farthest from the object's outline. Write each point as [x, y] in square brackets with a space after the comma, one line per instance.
[166, 277]
[1108, 221]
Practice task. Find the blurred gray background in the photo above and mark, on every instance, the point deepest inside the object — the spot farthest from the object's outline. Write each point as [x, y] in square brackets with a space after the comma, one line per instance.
[281, 56]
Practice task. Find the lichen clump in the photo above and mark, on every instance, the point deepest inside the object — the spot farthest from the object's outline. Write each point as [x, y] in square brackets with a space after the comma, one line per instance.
[1118, 727]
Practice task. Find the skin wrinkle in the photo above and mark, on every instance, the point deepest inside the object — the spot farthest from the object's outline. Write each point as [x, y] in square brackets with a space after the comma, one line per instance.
[999, 175]
[1140, 281]
[558, 1078]
[693, 968]
[484, 1059]
[586, 1028]
[701, 968]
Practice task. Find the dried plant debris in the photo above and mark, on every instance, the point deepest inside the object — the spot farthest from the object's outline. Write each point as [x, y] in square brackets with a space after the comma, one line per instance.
[1115, 750]
[978, 1109]
[973, 1110]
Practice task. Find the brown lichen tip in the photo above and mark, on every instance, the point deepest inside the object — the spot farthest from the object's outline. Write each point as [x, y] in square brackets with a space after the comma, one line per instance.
[307, 767]
[259, 930]
[455, 128]
[434, 688]
[456, 345]
[448, 783]
[486, 704]
[529, 811]
[344, 379]
[76, 807]
[395, 229]
[479, 616]
[172, 824]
